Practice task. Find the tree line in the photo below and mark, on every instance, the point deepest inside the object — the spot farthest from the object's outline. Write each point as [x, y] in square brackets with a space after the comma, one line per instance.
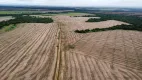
[95, 20]
[25, 19]
[134, 21]
[38, 13]
[86, 16]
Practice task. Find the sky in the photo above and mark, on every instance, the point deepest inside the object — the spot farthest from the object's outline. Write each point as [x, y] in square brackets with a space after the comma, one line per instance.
[76, 3]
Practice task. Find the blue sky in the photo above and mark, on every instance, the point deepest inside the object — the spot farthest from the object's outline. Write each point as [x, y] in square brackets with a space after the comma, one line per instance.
[89, 3]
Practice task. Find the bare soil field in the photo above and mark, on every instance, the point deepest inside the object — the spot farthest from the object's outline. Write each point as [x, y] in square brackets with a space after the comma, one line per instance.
[28, 52]
[110, 55]
[42, 16]
[55, 52]
[79, 23]
[5, 18]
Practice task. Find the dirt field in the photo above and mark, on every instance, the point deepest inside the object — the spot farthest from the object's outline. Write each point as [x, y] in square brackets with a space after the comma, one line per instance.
[5, 18]
[28, 52]
[79, 23]
[54, 52]
[41, 16]
[110, 55]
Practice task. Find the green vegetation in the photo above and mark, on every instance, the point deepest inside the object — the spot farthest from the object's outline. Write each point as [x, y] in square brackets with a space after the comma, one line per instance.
[66, 13]
[124, 18]
[70, 46]
[18, 12]
[91, 15]
[76, 14]
[49, 14]
[118, 27]
[95, 20]
[9, 28]
[135, 23]
[25, 19]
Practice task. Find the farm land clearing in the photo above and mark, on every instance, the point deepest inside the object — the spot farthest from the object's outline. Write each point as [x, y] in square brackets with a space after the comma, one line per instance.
[133, 23]
[5, 18]
[53, 51]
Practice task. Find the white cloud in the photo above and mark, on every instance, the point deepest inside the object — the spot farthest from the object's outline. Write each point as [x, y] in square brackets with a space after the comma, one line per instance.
[125, 3]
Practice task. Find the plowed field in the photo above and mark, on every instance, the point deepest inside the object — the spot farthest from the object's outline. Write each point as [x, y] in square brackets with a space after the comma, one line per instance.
[36, 51]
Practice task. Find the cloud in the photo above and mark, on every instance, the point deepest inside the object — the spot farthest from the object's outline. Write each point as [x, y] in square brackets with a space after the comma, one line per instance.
[125, 3]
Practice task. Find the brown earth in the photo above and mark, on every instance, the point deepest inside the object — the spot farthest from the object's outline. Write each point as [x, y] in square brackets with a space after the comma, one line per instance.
[110, 55]
[28, 52]
[5, 18]
[54, 52]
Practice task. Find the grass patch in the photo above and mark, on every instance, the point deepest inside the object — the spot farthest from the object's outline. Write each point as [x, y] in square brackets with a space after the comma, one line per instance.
[70, 46]
[9, 28]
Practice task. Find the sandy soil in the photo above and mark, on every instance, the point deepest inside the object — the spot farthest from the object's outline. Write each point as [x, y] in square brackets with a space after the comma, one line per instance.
[54, 52]
[41, 16]
[5, 18]
[28, 52]
[110, 55]
[79, 23]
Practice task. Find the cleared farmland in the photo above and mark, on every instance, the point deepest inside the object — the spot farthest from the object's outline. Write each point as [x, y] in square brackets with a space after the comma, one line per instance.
[80, 24]
[110, 55]
[30, 54]
[5, 18]
[54, 51]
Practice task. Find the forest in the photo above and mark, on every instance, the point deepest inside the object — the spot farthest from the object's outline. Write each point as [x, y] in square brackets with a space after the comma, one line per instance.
[25, 19]
[135, 23]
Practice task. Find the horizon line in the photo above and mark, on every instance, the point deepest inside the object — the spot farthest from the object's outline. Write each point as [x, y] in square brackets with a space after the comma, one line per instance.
[24, 5]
